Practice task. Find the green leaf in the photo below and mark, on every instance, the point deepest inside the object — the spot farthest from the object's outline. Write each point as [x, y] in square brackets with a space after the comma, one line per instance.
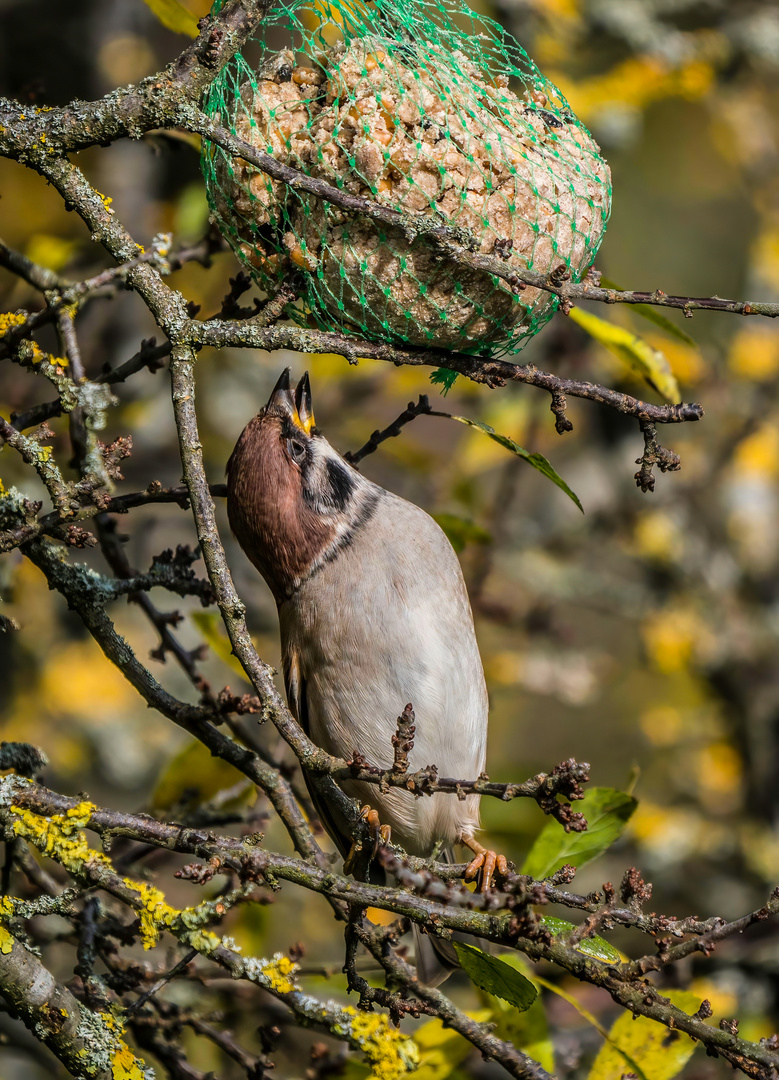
[538, 461]
[638, 354]
[651, 314]
[596, 947]
[495, 976]
[461, 531]
[607, 812]
[193, 776]
[174, 16]
[528, 1030]
[645, 1047]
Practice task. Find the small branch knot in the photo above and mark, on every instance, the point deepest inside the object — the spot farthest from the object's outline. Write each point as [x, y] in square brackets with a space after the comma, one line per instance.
[558, 407]
[634, 890]
[403, 740]
[654, 454]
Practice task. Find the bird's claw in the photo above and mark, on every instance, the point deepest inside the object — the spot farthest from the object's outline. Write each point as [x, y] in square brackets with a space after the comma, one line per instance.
[381, 834]
[486, 867]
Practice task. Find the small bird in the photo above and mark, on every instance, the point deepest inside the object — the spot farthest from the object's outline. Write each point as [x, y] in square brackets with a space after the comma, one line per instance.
[373, 614]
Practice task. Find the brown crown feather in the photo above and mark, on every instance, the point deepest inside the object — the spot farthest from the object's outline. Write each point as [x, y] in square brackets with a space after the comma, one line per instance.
[279, 532]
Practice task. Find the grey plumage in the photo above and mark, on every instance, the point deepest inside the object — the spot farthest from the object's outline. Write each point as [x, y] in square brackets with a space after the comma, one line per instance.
[373, 613]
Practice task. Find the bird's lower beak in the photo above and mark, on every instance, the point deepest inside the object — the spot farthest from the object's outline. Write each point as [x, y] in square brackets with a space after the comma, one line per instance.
[304, 405]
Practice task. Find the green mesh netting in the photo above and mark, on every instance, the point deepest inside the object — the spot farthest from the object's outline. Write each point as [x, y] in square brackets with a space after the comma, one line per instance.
[422, 106]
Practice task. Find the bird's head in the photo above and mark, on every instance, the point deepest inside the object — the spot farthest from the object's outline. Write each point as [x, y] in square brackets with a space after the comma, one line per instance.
[291, 498]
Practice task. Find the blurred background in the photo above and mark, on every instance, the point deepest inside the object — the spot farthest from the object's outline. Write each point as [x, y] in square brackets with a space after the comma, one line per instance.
[642, 636]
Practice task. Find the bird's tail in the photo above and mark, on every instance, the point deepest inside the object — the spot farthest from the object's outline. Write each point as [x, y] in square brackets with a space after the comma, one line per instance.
[436, 958]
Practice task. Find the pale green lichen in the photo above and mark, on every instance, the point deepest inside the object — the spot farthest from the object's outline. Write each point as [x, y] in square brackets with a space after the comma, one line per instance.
[107, 1051]
[13, 508]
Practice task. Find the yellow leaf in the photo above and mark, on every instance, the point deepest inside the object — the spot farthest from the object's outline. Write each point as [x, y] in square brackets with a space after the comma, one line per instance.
[759, 452]
[638, 354]
[194, 776]
[174, 16]
[754, 353]
[766, 256]
[719, 773]
[78, 682]
[657, 537]
[636, 83]
[211, 627]
[674, 637]
[441, 1050]
[6, 941]
[379, 917]
[53, 252]
[645, 1047]
[686, 361]
[126, 1066]
[663, 725]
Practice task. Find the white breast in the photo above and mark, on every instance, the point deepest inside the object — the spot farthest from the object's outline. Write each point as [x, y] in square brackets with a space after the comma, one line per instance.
[385, 623]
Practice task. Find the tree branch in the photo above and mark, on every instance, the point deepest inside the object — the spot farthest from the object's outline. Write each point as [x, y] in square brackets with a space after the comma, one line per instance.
[82, 1040]
[454, 908]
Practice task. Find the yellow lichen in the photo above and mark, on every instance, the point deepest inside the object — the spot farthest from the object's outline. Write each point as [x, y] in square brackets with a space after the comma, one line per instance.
[126, 1066]
[391, 1054]
[106, 200]
[9, 319]
[157, 915]
[60, 836]
[278, 971]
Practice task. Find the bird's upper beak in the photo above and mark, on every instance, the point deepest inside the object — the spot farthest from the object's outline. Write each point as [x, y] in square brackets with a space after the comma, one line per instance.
[297, 406]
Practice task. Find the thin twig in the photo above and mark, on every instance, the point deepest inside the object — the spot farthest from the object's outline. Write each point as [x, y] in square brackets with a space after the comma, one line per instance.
[378, 437]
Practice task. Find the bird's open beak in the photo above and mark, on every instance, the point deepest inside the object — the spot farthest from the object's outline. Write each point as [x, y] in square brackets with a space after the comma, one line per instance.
[304, 406]
[296, 406]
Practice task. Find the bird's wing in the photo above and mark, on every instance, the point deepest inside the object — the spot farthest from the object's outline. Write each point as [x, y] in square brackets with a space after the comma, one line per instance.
[295, 685]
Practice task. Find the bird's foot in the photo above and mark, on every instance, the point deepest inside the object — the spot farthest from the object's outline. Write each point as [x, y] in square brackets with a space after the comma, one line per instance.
[486, 867]
[380, 834]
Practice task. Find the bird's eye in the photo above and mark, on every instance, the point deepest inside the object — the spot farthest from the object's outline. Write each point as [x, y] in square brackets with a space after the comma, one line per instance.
[297, 451]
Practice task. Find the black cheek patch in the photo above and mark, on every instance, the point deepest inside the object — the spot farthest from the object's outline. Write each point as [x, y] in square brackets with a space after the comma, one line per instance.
[341, 484]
